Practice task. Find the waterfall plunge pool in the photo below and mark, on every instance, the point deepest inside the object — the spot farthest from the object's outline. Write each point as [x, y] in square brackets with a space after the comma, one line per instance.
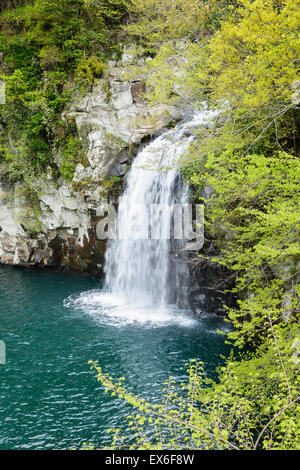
[53, 324]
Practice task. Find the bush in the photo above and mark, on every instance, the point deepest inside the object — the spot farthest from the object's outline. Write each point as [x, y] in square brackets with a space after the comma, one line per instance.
[88, 70]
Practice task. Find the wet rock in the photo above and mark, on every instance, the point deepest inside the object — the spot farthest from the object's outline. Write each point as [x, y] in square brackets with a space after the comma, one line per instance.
[209, 281]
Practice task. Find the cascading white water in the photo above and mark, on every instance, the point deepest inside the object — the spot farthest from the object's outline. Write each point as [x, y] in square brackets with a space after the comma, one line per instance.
[139, 285]
[138, 267]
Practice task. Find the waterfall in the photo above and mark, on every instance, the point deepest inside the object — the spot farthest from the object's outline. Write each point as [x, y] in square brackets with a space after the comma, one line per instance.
[138, 267]
[145, 284]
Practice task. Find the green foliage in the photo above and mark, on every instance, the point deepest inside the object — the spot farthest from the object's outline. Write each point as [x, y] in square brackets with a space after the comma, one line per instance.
[247, 409]
[156, 22]
[50, 48]
[248, 67]
[10, 4]
[111, 187]
[254, 219]
[71, 155]
[112, 11]
[50, 57]
[88, 69]
[256, 55]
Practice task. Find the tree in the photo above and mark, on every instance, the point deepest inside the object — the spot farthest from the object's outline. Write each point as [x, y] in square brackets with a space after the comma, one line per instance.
[246, 410]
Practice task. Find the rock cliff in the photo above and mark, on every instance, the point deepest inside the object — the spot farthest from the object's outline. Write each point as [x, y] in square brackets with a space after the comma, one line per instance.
[56, 226]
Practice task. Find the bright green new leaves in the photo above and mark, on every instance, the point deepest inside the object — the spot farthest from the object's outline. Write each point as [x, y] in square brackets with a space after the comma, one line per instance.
[254, 405]
[253, 57]
[249, 64]
[159, 21]
[255, 219]
[155, 22]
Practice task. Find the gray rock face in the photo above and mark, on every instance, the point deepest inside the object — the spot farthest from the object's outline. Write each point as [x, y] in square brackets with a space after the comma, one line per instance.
[62, 209]
[113, 119]
[29, 227]
[296, 92]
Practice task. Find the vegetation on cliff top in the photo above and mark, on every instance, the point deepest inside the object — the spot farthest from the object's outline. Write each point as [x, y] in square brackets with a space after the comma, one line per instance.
[49, 49]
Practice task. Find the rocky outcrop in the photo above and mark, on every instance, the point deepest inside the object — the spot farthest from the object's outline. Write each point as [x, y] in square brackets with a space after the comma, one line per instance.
[55, 229]
[208, 291]
[112, 121]
[54, 223]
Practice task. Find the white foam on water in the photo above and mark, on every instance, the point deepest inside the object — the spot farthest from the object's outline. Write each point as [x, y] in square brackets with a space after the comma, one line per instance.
[116, 310]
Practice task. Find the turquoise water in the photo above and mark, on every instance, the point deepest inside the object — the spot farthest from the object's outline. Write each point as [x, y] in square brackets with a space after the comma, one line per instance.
[52, 325]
